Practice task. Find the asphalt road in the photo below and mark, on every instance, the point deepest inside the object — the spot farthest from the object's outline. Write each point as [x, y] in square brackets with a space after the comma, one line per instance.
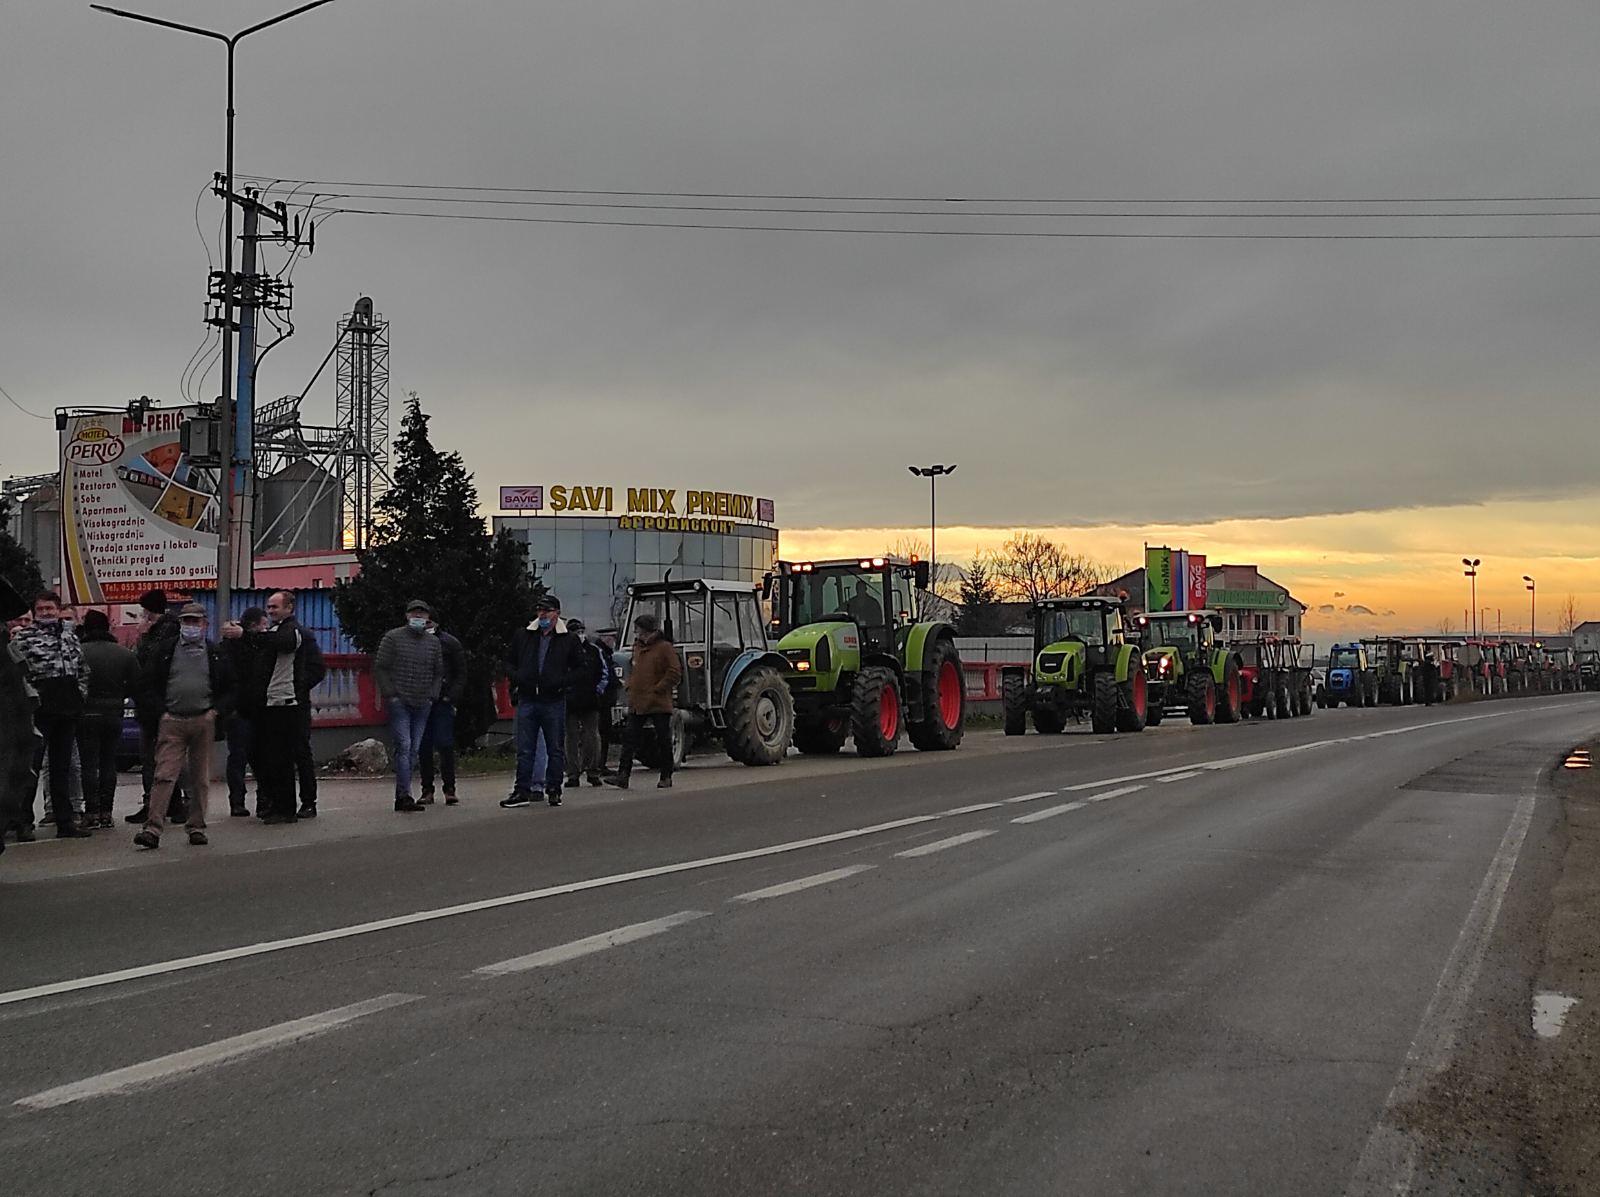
[1211, 960]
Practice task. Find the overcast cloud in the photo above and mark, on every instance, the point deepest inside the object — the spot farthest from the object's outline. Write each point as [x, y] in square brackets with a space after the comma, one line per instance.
[1076, 382]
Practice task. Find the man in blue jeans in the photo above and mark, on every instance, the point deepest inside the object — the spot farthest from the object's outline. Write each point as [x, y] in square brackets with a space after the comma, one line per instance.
[409, 671]
[545, 663]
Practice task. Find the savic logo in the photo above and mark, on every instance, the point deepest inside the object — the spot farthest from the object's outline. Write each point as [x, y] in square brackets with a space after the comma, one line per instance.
[94, 446]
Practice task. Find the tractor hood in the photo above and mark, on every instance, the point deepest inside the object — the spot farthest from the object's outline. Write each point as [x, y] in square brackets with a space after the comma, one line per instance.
[1340, 679]
[1162, 662]
[1057, 660]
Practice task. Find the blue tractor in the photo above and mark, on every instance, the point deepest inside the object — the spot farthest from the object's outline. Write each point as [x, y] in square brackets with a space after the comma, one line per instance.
[1352, 679]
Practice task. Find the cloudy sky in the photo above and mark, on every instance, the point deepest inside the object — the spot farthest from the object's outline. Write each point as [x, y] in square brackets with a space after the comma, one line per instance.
[1352, 414]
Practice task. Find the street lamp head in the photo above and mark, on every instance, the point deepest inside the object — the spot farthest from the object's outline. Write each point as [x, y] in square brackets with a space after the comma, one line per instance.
[1526, 578]
[950, 469]
[915, 471]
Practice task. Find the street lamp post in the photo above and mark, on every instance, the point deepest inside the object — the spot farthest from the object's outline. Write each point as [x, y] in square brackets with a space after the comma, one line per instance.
[1533, 608]
[225, 496]
[1471, 571]
[933, 473]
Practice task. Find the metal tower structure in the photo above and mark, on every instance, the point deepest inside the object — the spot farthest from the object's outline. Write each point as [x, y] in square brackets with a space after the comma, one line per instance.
[362, 415]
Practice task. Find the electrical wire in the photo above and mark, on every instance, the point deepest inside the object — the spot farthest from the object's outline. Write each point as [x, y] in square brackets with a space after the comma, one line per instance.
[19, 406]
[1050, 234]
[941, 199]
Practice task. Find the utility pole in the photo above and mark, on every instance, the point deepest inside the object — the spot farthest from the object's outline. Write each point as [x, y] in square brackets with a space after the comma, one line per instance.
[933, 473]
[226, 513]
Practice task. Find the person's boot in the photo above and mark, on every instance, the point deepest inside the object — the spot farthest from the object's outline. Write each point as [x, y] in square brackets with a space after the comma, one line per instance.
[68, 829]
[572, 782]
[665, 783]
[142, 815]
[553, 797]
[25, 835]
[407, 804]
[594, 779]
[450, 798]
[238, 810]
[147, 839]
[308, 810]
[620, 781]
[427, 796]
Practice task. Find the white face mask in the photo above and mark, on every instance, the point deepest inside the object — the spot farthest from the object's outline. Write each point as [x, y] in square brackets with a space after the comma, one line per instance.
[192, 632]
[420, 625]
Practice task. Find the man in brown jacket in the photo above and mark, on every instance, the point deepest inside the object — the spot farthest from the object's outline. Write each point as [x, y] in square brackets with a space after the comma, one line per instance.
[652, 683]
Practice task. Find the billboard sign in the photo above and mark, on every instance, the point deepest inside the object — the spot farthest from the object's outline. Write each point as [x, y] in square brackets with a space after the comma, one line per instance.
[1197, 583]
[522, 498]
[135, 514]
[1158, 578]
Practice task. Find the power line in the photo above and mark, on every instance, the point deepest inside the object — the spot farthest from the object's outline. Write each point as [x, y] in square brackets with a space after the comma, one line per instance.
[1003, 233]
[270, 184]
[777, 211]
[19, 406]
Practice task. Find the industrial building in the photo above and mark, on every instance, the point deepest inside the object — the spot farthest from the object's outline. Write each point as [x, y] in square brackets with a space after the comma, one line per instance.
[1249, 602]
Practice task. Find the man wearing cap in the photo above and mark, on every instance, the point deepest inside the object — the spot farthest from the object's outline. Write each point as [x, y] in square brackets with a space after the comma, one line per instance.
[583, 709]
[189, 682]
[409, 671]
[54, 661]
[545, 663]
[161, 628]
[652, 689]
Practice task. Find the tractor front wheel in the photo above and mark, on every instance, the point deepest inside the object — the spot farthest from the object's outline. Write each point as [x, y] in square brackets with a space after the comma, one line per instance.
[1014, 701]
[1103, 702]
[945, 701]
[760, 718]
[1202, 698]
[876, 711]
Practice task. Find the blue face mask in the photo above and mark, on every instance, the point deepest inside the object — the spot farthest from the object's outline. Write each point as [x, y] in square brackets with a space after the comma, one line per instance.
[546, 622]
[48, 624]
[192, 632]
[418, 623]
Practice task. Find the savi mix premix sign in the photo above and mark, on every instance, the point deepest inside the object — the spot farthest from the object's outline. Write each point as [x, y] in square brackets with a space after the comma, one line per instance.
[640, 505]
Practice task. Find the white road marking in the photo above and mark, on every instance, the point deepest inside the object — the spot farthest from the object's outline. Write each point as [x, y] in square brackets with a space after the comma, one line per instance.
[971, 810]
[1388, 1162]
[1033, 797]
[794, 887]
[181, 964]
[444, 912]
[167, 1068]
[1113, 794]
[1178, 776]
[1550, 1013]
[955, 841]
[1050, 812]
[588, 946]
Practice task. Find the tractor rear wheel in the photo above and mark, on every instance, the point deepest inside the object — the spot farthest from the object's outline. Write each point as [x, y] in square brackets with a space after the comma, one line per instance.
[821, 735]
[876, 711]
[1285, 711]
[760, 717]
[1103, 702]
[1228, 695]
[945, 703]
[1202, 698]
[1133, 710]
[1014, 702]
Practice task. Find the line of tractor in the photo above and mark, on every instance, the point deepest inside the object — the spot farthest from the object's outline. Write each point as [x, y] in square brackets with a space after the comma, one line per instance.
[830, 652]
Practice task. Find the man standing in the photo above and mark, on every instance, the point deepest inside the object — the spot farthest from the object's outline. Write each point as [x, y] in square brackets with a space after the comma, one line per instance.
[309, 670]
[113, 678]
[239, 642]
[275, 701]
[608, 700]
[583, 709]
[440, 733]
[409, 670]
[161, 626]
[189, 682]
[652, 685]
[544, 664]
[54, 661]
[18, 774]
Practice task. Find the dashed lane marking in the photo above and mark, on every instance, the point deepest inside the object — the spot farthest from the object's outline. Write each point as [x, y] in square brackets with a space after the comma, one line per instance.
[166, 1068]
[971, 810]
[1033, 797]
[955, 841]
[1050, 812]
[590, 945]
[794, 887]
[1178, 776]
[1113, 794]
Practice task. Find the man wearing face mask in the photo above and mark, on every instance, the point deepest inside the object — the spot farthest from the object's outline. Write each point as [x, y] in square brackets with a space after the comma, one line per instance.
[276, 716]
[440, 733]
[545, 664]
[54, 662]
[409, 671]
[189, 681]
[583, 709]
[161, 628]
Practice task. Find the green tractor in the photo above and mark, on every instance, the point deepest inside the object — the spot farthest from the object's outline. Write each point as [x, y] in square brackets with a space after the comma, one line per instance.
[863, 665]
[1082, 663]
[1186, 670]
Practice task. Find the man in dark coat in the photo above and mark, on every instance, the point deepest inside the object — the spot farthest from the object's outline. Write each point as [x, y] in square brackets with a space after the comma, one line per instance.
[161, 627]
[309, 670]
[241, 648]
[56, 670]
[652, 694]
[18, 777]
[545, 664]
[440, 734]
[583, 710]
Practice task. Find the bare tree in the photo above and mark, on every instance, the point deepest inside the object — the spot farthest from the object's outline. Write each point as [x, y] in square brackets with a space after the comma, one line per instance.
[1030, 567]
[1568, 616]
[946, 574]
[1447, 626]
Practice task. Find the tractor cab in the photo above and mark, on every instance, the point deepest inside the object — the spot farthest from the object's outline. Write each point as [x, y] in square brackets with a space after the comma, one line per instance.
[1186, 669]
[733, 685]
[880, 595]
[1083, 664]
